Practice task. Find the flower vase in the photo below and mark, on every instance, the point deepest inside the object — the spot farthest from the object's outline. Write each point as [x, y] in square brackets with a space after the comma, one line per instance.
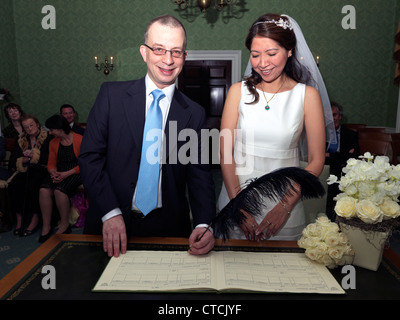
[368, 245]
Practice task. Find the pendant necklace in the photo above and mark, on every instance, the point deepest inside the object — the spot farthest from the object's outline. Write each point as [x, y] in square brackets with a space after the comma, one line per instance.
[267, 107]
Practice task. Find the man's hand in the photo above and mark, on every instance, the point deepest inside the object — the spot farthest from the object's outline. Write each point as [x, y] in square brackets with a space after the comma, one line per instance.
[114, 236]
[202, 246]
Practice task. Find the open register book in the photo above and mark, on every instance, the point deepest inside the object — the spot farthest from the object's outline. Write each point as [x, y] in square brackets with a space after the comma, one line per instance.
[223, 271]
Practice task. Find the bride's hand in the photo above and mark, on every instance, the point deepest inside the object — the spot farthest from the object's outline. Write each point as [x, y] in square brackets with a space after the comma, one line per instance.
[249, 226]
[272, 222]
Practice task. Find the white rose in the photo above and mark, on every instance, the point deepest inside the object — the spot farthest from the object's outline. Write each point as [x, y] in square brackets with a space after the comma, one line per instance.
[312, 254]
[322, 248]
[336, 253]
[311, 242]
[308, 242]
[333, 227]
[323, 220]
[368, 212]
[332, 239]
[327, 261]
[346, 207]
[390, 208]
[307, 231]
[313, 230]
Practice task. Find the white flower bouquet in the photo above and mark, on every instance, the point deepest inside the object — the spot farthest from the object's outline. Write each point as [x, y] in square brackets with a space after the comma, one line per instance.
[370, 190]
[367, 208]
[325, 244]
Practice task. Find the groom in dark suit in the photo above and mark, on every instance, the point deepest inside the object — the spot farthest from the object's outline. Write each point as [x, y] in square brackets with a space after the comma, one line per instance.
[111, 150]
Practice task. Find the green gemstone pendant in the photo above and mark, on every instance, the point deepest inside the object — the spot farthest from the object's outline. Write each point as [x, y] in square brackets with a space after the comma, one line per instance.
[267, 107]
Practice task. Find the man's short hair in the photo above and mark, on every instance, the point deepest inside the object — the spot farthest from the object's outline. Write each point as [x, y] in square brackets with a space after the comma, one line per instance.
[338, 106]
[64, 106]
[166, 20]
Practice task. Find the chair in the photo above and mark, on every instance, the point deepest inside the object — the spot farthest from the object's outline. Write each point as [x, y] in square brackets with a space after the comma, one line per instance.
[376, 143]
[354, 126]
[374, 135]
[372, 129]
[395, 147]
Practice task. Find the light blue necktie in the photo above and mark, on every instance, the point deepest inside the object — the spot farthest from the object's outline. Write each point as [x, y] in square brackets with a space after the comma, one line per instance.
[333, 147]
[147, 184]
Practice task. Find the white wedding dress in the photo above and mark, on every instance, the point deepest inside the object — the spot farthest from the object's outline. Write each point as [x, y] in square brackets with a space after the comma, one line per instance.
[267, 140]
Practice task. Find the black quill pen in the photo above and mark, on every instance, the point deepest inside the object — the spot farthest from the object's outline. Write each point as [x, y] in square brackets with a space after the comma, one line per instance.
[274, 185]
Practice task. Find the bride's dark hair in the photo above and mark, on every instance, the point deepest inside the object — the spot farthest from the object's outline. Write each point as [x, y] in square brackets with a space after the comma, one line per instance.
[287, 39]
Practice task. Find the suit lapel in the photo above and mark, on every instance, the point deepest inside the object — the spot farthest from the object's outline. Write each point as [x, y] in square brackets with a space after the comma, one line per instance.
[134, 102]
[178, 118]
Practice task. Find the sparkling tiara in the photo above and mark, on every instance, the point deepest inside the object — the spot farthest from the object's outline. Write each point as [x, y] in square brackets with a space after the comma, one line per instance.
[280, 23]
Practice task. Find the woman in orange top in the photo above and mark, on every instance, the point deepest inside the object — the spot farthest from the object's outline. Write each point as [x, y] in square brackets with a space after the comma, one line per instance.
[64, 175]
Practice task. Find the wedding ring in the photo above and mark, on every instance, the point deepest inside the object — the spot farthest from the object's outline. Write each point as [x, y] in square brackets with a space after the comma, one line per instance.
[268, 222]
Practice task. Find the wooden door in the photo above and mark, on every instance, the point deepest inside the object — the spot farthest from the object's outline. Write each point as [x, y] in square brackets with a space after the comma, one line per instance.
[207, 82]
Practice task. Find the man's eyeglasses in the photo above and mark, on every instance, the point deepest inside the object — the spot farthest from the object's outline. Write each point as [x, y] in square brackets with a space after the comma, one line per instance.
[161, 51]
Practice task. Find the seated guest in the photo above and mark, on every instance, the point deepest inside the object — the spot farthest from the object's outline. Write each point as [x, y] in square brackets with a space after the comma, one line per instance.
[68, 112]
[13, 113]
[29, 158]
[337, 155]
[64, 175]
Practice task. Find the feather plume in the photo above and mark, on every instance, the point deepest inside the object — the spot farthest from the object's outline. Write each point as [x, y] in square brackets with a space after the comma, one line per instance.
[274, 185]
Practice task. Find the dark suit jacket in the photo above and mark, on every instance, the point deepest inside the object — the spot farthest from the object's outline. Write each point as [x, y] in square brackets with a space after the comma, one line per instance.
[337, 161]
[77, 129]
[110, 158]
[348, 141]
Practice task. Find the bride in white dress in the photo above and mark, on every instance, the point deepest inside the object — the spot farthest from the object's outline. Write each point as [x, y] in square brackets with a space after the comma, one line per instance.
[262, 123]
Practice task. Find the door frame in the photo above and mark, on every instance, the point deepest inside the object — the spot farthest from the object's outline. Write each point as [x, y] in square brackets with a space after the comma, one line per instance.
[234, 55]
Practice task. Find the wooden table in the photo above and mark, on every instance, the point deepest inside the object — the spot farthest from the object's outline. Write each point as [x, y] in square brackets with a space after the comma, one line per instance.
[79, 261]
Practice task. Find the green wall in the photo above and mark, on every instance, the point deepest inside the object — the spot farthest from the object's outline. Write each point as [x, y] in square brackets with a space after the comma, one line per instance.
[46, 68]
[8, 54]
